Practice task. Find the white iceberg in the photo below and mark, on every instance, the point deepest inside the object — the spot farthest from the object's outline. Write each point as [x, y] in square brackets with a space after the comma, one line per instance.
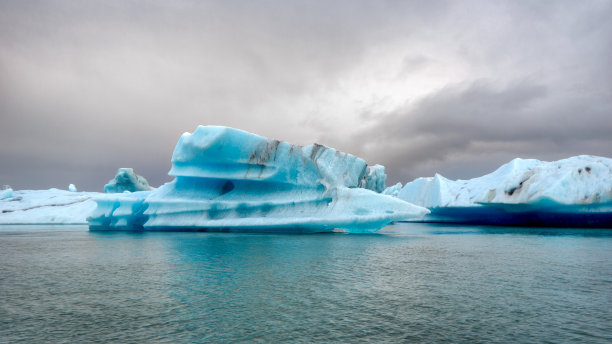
[438, 191]
[127, 180]
[231, 180]
[51, 206]
[572, 192]
[55, 206]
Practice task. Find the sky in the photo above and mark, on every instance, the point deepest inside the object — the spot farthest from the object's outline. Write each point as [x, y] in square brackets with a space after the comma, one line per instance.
[421, 87]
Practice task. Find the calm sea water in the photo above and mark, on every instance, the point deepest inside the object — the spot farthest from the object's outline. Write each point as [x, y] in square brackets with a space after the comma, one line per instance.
[412, 283]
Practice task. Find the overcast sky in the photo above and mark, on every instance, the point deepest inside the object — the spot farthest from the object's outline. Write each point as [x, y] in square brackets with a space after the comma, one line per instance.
[454, 87]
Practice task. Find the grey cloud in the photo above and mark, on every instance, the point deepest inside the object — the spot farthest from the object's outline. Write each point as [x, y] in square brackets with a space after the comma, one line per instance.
[117, 82]
[464, 122]
[87, 87]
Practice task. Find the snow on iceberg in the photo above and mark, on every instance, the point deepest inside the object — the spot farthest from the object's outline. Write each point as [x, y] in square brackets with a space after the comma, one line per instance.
[572, 192]
[127, 180]
[231, 180]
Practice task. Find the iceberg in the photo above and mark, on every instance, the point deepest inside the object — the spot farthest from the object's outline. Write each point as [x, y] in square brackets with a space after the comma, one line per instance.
[126, 180]
[55, 206]
[51, 206]
[226, 179]
[573, 192]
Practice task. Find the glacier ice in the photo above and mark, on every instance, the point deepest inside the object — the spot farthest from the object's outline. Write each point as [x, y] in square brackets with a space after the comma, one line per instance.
[230, 180]
[6, 192]
[51, 206]
[124, 210]
[127, 180]
[393, 190]
[571, 192]
[438, 191]
[375, 178]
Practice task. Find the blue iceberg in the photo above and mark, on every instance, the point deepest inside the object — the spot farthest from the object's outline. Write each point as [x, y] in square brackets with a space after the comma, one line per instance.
[231, 180]
[574, 192]
[126, 180]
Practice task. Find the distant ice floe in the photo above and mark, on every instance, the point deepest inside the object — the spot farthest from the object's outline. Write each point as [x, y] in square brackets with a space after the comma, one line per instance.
[572, 192]
[51, 206]
[231, 180]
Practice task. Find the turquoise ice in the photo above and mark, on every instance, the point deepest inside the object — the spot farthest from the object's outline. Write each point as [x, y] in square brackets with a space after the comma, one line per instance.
[127, 180]
[230, 180]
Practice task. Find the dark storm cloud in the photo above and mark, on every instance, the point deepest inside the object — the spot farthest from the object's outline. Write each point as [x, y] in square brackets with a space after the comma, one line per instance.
[87, 87]
[545, 93]
[482, 119]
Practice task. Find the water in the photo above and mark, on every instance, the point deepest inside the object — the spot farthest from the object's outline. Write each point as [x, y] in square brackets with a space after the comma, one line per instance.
[414, 283]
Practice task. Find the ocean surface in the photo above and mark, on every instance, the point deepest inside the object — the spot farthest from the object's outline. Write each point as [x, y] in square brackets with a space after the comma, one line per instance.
[410, 283]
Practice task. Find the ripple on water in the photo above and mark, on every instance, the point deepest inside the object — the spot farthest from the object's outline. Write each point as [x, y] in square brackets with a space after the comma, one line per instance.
[415, 283]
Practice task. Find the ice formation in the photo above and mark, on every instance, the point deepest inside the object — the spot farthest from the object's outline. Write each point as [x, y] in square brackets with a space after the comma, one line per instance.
[6, 192]
[572, 192]
[438, 191]
[393, 190]
[51, 206]
[375, 178]
[127, 180]
[231, 180]
[72, 188]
